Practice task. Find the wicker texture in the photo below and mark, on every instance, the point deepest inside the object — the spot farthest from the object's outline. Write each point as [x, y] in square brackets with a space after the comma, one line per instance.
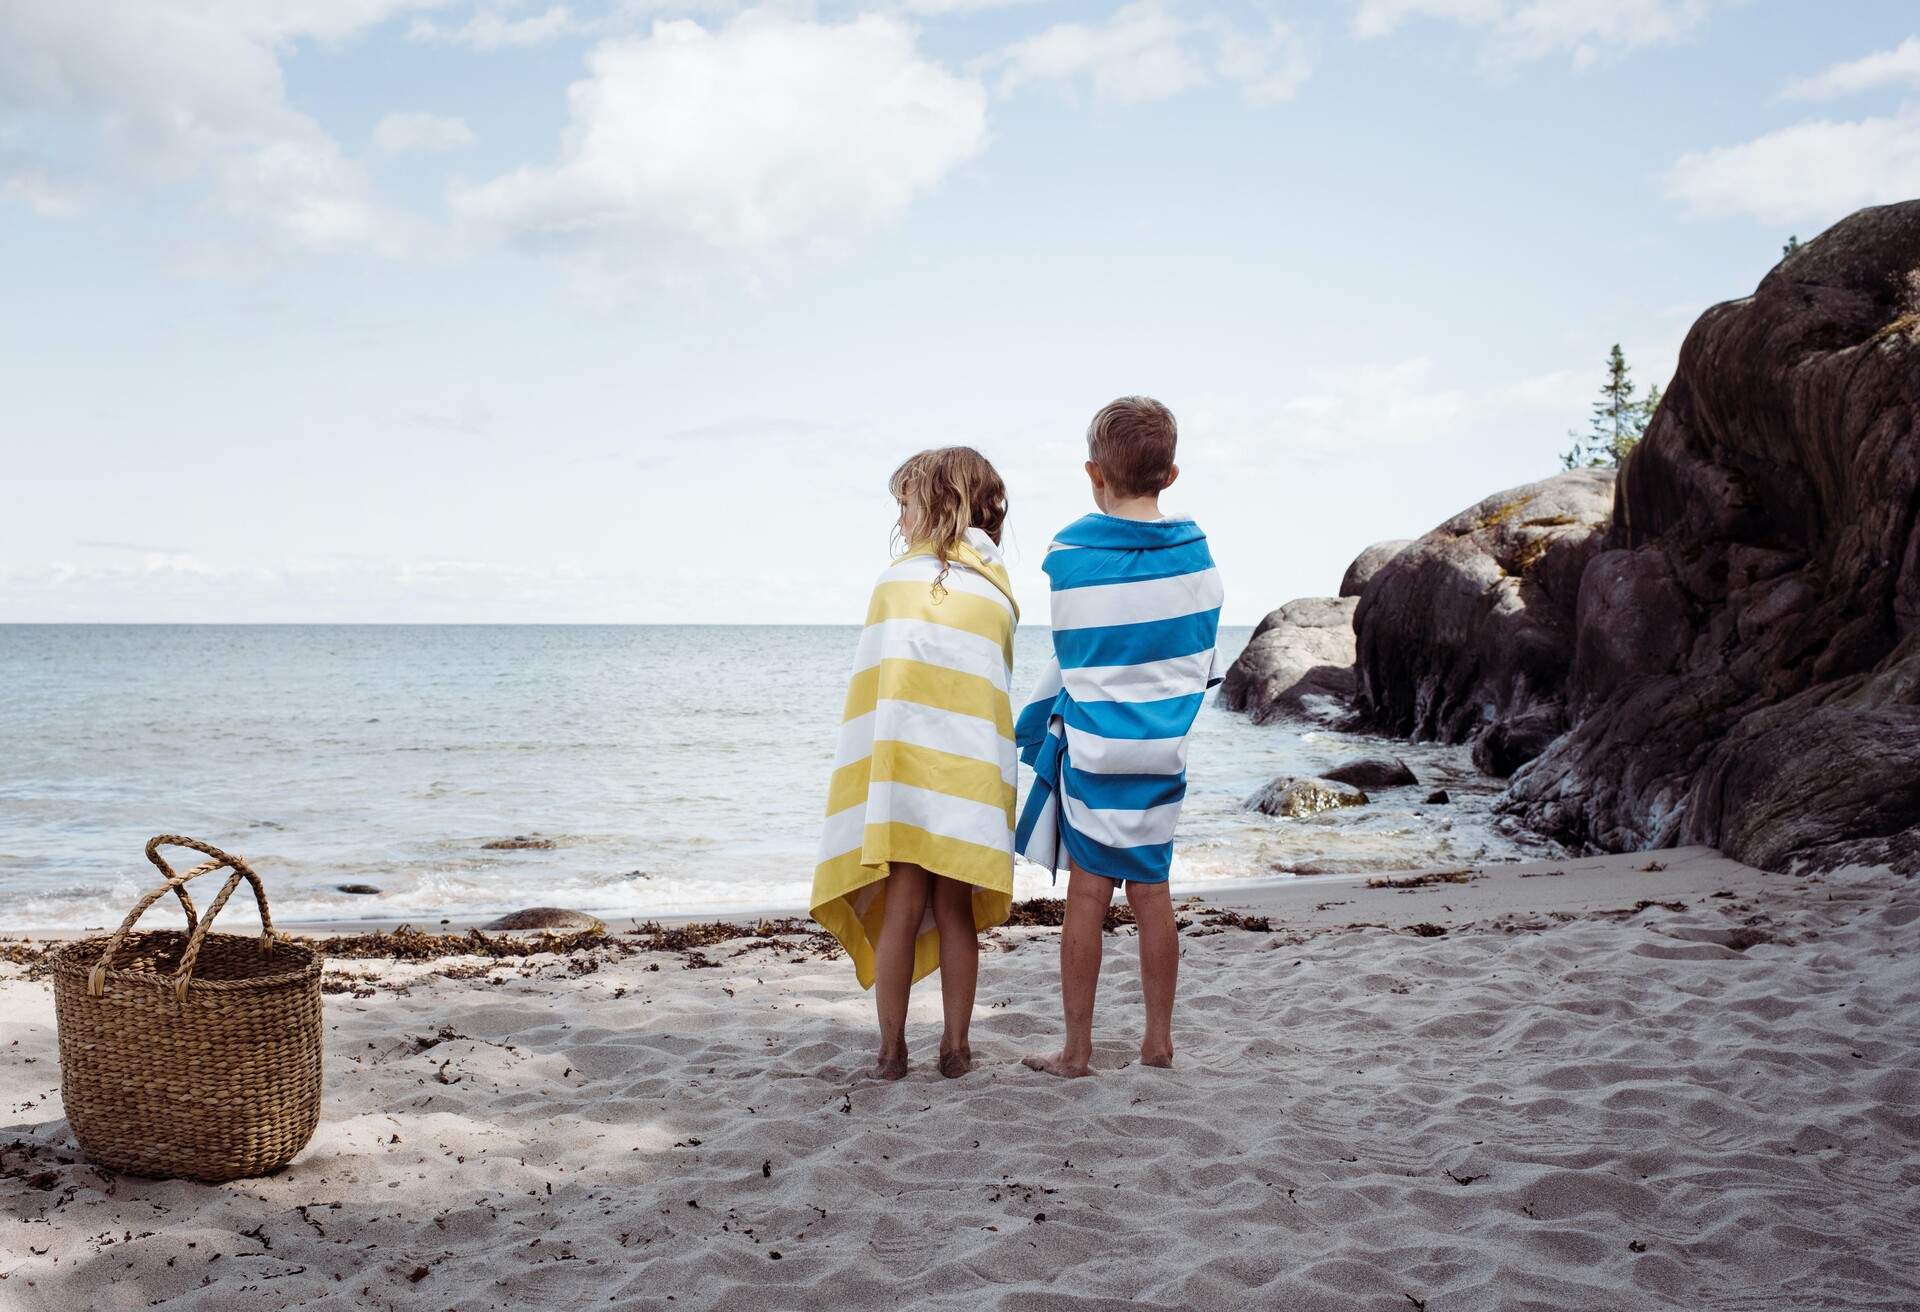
[188, 1053]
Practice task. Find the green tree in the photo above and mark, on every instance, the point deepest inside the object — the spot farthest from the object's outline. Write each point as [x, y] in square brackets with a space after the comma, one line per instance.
[1619, 419]
[1793, 244]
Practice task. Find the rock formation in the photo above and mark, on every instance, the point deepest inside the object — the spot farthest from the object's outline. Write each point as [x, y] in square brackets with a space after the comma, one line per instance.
[547, 918]
[1296, 796]
[519, 843]
[1373, 772]
[1299, 662]
[1369, 563]
[1747, 652]
[1468, 634]
[1723, 645]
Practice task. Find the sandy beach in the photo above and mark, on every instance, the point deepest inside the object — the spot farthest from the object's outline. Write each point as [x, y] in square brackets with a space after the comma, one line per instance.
[1661, 1079]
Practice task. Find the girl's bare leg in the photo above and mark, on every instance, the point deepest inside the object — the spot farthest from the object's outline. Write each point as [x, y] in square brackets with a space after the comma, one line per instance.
[959, 971]
[893, 964]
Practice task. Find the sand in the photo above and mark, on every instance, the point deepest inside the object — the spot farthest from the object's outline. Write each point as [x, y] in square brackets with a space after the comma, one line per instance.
[1517, 1091]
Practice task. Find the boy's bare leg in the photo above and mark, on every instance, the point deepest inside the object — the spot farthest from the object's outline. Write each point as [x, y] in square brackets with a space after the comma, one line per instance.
[1159, 967]
[893, 964]
[959, 971]
[1088, 896]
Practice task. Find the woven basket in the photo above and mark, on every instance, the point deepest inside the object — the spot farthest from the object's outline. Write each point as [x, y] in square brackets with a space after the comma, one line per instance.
[185, 1053]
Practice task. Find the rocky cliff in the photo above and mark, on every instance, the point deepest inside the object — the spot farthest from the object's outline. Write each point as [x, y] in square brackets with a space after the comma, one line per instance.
[1747, 651]
[1720, 646]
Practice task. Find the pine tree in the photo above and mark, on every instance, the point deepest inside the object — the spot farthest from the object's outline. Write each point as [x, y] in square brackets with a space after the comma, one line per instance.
[1619, 421]
[1793, 244]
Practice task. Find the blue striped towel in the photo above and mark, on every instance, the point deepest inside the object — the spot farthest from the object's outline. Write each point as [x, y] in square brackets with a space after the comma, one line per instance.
[1136, 612]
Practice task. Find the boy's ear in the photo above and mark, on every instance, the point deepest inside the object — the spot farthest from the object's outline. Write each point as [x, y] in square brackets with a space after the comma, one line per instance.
[1093, 472]
[1173, 472]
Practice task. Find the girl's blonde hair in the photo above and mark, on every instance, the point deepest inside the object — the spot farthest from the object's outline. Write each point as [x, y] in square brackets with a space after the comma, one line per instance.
[947, 491]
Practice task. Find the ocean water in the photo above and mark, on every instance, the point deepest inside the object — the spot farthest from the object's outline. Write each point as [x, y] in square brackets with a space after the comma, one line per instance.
[677, 770]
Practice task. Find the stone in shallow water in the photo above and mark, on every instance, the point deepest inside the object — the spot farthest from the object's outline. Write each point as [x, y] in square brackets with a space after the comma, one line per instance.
[1295, 796]
[1373, 772]
[357, 889]
[546, 918]
[518, 843]
[1438, 797]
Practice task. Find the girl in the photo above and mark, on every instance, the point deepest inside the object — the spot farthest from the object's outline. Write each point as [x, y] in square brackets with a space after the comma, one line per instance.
[917, 856]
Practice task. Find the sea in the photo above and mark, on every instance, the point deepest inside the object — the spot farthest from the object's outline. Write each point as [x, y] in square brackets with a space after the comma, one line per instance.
[675, 770]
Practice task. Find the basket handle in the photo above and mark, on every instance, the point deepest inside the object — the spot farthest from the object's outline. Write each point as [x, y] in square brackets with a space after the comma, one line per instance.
[97, 977]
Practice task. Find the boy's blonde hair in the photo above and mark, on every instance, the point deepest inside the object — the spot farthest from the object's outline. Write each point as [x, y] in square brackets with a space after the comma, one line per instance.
[1132, 440]
[949, 490]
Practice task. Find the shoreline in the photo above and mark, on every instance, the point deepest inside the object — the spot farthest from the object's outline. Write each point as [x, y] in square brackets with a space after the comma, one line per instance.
[1602, 877]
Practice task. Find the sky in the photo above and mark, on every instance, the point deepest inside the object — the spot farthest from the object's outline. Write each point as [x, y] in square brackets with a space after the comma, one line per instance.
[444, 311]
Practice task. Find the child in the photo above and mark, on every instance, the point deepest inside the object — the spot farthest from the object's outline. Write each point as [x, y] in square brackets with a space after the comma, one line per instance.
[1136, 610]
[917, 856]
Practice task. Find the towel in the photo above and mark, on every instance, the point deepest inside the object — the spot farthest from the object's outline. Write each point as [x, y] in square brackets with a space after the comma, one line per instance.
[924, 771]
[1136, 615]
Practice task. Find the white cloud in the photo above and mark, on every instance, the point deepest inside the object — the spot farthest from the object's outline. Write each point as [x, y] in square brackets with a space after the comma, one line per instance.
[1146, 52]
[41, 186]
[1381, 17]
[186, 89]
[1370, 412]
[397, 134]
[492, 30]
[1811, 172]
[749, 138]
[1899, 66]
[931, 7]
[1521, 30]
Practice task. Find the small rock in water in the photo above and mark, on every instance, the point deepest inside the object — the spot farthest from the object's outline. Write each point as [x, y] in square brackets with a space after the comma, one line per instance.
[518, 843]
[359, 889]
[1292, 795]
[1373, 772]
[1438, 797]
[547, 918]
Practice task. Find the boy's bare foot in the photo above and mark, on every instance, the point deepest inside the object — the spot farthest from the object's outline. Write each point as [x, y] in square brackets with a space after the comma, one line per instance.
[956, 1062]
[1163, 1059]
[1057, 1064]
[888, 1068]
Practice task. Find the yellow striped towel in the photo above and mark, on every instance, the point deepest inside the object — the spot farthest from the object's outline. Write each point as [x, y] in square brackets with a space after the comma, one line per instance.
[924, 772]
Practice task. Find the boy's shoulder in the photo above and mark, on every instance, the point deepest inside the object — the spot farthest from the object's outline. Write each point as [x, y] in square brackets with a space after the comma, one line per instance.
[1110, 531]
[1101, 549]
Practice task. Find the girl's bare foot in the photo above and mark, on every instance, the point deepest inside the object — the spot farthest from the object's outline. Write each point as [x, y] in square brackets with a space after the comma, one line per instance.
[888, 1068]
[1162, 1057]
[956, 1062]
[1057, 1064]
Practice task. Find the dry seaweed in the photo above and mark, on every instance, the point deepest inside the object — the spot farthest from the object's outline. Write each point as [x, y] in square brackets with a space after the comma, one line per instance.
[1224, 919]
[1430, 880]
[1051, 912]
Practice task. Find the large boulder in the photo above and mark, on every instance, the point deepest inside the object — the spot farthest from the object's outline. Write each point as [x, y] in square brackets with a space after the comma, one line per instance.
[547, 918]
[1373, 772]
[1746, 655]
[1299, 663]
[1468, 634]
[1369, 563]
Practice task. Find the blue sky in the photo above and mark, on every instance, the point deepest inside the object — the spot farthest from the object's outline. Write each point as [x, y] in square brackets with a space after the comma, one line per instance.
[332, 310]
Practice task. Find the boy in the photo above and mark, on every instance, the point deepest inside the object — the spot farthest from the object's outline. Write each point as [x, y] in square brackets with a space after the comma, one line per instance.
[1136, 610]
